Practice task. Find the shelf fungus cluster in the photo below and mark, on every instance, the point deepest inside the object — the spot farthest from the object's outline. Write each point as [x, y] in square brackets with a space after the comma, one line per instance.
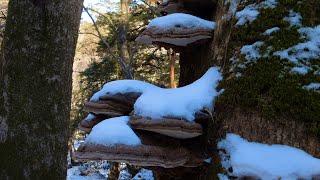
[177, 30]
[141, 124]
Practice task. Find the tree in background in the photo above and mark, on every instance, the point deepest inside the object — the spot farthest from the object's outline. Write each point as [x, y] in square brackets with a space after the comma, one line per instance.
[35, 79]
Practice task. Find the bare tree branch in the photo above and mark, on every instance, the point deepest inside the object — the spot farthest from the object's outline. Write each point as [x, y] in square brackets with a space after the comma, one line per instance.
[89, 34]
[122, 64]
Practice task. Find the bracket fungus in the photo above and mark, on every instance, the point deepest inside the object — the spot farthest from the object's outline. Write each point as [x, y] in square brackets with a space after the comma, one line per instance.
[170, 127]
[142, 155]
[157, 126]
[177, 31]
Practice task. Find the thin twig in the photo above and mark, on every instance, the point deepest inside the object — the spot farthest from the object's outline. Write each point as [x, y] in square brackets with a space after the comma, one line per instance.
[122, 64]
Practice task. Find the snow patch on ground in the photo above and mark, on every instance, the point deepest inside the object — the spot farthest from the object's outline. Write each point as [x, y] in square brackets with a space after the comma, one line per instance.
[74, 173]
[181, 102]
[123, 86]
[144, 174]
[113, 131]
[182, 20]
[266, 161]
[251, 11]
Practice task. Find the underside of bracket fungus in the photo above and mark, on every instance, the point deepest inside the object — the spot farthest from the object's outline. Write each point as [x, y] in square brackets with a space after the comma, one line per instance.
[143, 155]
[170, 7]
[177, 31]
[170, 127]
[153, 124]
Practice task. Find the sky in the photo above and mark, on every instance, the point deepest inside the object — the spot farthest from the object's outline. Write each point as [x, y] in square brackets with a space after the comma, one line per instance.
[101, 5]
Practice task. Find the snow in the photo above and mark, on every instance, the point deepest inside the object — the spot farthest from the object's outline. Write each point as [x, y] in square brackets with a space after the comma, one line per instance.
[122, 86]
[271, 30]
[303, 52]
[266, 161]
[222, 176]
[294, 18]
[233, 5]
[90, 117]
[252, 51]
[250, 12]
[175, 20]
[113, 131]
[74, 173]
[312, 86]
[303, 70]
[181, 102]
[144, 174]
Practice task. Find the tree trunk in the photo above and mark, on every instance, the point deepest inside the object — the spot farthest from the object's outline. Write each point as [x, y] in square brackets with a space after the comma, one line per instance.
[172, 62]
[35, 80]
[122, 37]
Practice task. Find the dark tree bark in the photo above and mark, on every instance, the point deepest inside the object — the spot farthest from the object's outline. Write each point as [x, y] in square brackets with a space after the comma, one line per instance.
[35, 81]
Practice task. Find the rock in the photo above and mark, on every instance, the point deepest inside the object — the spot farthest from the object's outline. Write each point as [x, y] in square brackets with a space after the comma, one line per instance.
[170, 127]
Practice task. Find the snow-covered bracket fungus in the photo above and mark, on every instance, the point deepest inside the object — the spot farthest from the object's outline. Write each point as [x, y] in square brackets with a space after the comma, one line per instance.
[177, 31]
[114, 140]
[154, 133]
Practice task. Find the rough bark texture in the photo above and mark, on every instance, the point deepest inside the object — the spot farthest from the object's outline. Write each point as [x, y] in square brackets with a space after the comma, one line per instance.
[251, 125]
[35, 81]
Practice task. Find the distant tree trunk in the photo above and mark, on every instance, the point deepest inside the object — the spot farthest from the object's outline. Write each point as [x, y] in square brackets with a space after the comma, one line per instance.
[35, 81]
[122, 36]
[172, 62]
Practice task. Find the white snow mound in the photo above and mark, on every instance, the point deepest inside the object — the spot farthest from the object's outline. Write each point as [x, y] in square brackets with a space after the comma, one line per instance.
[182, 20]
[266, 161]
[122, 86]
[113, 131]
[181, 102]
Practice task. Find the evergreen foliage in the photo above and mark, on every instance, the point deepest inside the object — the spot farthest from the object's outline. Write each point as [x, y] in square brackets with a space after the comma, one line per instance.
[266, 84]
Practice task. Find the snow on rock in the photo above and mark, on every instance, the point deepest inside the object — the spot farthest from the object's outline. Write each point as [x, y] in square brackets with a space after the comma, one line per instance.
[252, 51]
[123, 86]
[181, 20]
[144, 174]
[266, 161]
[251, 12]
[181, 102]
[303, 52]
[271, 30]
[113, 131]
[294, 18]
[313, 86]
